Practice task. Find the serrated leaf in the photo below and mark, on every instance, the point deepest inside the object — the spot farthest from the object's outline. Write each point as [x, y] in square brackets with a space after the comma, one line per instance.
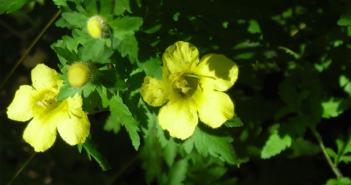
[70, 43]
[122, 112]
[91, 148]
[161, 134]
[125, 26]
[188, 145]
[121, 6]
[9, 6]
[113, 123]
[76, 19]
[106, 8]
[91, 102]
[335, 106]
[234, 122]
[66, 91]
[127, 46]
[92, 49]
[302, 147]
[340, 181]
[170, 152]
[178, 172]
[345, 19]
[216, 145]
[345, 83]
[152, 67]
[71, 57]
[275, 144]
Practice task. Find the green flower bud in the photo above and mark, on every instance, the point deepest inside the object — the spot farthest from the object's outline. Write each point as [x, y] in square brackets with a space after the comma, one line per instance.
[78, 74]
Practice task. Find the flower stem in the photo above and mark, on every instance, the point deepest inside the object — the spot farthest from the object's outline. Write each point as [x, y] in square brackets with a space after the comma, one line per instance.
[21, 169]
[326, 155]
[30, 47]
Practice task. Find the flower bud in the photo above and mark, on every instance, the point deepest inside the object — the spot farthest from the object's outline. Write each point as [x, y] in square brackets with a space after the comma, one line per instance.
[96, 26]
[78, 74]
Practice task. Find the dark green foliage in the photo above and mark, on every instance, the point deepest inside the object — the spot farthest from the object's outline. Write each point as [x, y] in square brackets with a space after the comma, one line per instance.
[294, 86]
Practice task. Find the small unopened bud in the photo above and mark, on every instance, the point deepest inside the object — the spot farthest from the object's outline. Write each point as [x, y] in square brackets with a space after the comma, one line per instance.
[96, 26]
[78, 74]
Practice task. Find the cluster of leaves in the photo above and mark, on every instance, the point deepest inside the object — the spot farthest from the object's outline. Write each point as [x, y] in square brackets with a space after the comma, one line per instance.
[294, 82]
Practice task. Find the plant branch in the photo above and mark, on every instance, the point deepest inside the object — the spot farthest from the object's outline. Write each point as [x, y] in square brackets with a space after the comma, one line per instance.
[326, 155]
[30, 47]
[21, 169]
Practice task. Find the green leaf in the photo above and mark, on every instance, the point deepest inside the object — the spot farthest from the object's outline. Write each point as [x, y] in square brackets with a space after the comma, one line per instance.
[91, 102]
[66, 91]
[331, 152]
[91, 148]
[254, 27]
[121, 6]
[339, 181]
[188, 145]
[122, 112]
[9, 6]
[106, 8]
[127, 46]
[178, 172]
[92, 49]
[302, 147]
[344, 20]
[162, 136]
[76, 19]
[335, 106]
[216, 145]
[152, 67]
[275, 144]
[345, 83]
[170, 152]
[70, 57]
[113, 123]
[151, 155]
[125, 26]
[234, 122]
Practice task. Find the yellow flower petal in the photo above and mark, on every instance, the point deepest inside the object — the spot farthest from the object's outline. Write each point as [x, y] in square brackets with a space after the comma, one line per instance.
[76, 102]
[40, 133]
[215, 108]
[219, 72]
[179, 118]
[180, 57]
[72, 123]
[21, 108]
[44, 77]
[154, 91]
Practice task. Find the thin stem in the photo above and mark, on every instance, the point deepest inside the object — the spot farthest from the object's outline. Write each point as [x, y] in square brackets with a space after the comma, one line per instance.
[30, 47]
[326, 155]
[21, 169]
[122, 169]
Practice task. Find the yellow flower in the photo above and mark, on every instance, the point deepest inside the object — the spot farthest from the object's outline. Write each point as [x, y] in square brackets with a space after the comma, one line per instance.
[193, 88]
[48, 114]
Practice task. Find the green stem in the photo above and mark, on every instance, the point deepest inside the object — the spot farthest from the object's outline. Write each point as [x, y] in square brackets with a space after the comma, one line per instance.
[21, 169]
[122, 169]
[30, 47]
[326, 155]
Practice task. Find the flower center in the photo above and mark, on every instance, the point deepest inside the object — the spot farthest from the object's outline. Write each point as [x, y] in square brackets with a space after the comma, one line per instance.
[47, 101]
[186, 85]
[96, 26]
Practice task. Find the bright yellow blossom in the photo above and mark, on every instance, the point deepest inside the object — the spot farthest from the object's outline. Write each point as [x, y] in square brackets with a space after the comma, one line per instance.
[193, 89]
[48, 114]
